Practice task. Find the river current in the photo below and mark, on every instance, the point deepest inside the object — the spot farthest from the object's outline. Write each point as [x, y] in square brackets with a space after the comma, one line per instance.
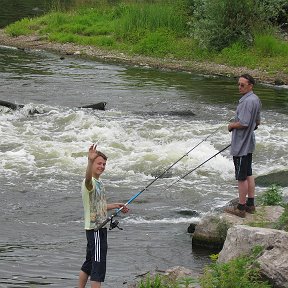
[152, 119]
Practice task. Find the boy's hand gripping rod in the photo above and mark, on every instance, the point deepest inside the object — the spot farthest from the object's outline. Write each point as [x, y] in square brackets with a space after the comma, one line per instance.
[110, 218]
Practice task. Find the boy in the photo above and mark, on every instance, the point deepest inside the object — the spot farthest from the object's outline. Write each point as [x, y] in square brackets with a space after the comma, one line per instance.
[95, 212]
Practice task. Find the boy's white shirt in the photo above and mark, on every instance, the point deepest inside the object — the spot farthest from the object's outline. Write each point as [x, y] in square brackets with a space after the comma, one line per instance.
[94, 203]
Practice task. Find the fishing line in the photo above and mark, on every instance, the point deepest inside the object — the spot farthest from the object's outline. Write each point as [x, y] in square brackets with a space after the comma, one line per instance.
[189, 172]
[117, 211]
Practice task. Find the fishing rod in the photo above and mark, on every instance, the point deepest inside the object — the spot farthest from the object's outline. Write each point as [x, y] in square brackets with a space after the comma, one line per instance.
[117, 211]
[189, 172]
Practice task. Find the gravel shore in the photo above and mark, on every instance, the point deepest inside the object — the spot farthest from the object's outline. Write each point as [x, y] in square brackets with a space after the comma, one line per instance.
[91, 52]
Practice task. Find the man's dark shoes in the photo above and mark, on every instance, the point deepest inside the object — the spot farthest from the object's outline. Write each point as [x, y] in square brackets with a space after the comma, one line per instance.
[250, 209]
[235, 211]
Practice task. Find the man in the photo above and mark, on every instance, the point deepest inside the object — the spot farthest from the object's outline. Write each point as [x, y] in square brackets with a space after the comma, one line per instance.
[95, 212]
[246, 121]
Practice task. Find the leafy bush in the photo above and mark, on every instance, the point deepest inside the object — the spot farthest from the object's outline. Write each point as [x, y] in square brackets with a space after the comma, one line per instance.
[241, 272]
[164, 281]
[271, 197]
[283, 220]
[218, 24]
[270, 10]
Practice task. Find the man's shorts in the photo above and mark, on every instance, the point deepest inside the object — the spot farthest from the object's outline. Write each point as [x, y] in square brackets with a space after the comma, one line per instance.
[96, 252]
[243, 166]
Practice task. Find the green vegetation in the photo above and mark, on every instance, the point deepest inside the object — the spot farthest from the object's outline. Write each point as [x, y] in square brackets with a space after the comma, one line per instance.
[237, 33]
[164, 281]
[271, 197]
[241, 272]
[222, 228]
[237, 273]
[283, 220]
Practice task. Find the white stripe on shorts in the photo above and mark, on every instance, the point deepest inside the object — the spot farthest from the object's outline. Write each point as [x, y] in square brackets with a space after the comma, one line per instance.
[97, 246]
[239, 167]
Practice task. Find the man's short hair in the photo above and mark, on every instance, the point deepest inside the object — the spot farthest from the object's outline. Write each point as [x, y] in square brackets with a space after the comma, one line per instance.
[248, 77]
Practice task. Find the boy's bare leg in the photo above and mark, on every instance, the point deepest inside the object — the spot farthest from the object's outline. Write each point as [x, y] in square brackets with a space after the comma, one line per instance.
[95, 284]
[83, 278]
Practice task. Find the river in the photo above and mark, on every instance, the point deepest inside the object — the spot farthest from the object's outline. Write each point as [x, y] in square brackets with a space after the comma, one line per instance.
[152, 119]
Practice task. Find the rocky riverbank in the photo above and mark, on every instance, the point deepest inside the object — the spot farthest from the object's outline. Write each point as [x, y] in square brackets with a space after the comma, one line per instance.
[91, 52]
[237, 236]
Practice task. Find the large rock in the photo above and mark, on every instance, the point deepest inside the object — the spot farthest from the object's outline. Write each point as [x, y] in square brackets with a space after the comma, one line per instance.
[241, 239]
[279, 178]
[211, 231]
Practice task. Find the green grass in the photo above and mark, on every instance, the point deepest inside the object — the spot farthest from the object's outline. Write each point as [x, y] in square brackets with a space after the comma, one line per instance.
[158, 29]
[267, 53]
[283, 220]
[167, 281]
[241, 272]
[272, 196]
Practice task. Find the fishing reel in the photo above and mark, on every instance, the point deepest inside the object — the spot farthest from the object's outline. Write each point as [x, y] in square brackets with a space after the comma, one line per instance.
[114, 224]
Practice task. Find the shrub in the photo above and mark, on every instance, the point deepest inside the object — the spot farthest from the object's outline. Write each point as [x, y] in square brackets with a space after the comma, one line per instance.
[271, 197]
[241, 272]
[165, 281]
[220, 23]
[283, 220]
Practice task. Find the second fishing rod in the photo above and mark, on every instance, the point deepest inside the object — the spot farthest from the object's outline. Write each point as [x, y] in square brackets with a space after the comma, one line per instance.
[115, 223]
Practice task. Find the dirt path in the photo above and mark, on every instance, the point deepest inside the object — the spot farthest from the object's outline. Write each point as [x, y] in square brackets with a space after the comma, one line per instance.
[37, 42]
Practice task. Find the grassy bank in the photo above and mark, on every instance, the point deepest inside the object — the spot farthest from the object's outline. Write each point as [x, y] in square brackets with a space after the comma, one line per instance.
[153, 28]
[241, 272]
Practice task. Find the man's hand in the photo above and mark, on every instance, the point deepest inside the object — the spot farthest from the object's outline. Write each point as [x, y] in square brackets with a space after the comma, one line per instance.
[230, 127]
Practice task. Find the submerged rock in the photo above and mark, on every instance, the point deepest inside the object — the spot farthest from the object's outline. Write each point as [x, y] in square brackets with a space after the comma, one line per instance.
[279, 178]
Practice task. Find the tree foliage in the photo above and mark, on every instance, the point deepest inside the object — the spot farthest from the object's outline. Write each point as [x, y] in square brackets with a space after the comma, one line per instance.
[219, 23]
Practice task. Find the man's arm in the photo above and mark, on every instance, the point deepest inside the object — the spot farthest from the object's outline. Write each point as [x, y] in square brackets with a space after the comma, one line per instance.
[235, 125]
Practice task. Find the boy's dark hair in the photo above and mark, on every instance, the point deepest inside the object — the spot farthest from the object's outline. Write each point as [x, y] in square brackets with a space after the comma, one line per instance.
[248, 77]
[99, 153]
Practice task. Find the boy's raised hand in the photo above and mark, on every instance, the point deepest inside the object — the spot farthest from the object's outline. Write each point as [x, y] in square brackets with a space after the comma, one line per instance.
[92, 153]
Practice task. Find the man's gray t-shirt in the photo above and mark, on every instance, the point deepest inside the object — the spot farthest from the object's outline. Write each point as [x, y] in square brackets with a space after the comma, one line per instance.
[248, 114]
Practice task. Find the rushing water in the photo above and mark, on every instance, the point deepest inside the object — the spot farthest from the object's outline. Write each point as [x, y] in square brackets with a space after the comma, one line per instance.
[149, 124]
[152, 119]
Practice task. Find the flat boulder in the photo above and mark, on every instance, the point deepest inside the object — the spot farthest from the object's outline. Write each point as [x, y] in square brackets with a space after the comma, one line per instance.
[211, 231]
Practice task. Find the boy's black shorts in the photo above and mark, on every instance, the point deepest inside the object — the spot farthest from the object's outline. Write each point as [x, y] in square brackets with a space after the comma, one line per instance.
[243, 166]
[96, 252]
